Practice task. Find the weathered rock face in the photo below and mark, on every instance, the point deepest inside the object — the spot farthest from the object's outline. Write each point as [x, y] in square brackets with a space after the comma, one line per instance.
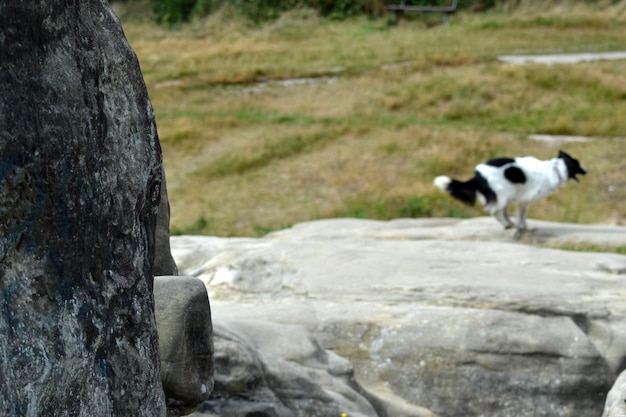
[185, 332]
[449, 315]
[163, 261]
[80, 178]
[615, 405]
[263, 369]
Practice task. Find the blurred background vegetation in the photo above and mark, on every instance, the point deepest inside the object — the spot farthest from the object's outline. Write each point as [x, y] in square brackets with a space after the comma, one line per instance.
[277, 112]
[176, 11]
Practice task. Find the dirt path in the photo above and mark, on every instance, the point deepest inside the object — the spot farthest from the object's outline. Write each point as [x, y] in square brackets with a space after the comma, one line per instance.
[550, 59]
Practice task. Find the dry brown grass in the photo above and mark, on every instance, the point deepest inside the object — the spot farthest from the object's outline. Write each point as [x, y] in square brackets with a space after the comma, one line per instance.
[393, 108]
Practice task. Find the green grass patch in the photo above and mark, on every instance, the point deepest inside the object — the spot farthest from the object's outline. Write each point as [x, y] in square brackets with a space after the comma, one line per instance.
[247, 152]
[199, 226]
[586, 247]
[253, 158]
[387, 208]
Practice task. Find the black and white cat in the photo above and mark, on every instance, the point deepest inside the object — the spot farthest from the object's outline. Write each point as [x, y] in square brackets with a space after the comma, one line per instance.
[520, 181]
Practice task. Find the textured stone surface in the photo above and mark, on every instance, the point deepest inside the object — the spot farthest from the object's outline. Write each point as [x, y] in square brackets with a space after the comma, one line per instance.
[80, 178]
[446, 314]
[615, 405]
[264, 369]
[164, 263]
[183, 318]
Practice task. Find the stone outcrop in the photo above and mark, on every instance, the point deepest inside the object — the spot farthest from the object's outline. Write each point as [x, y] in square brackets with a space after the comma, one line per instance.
[451, 317]
[269, 369]
[263, 369]
[183, 316]
[80, 179]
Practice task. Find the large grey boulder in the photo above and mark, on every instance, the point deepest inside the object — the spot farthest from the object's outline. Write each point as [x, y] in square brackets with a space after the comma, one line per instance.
[183, 316]
[80, 179]
[450, 315]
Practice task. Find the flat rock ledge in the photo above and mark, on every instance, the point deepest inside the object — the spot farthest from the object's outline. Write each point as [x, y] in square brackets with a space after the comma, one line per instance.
[423, 317]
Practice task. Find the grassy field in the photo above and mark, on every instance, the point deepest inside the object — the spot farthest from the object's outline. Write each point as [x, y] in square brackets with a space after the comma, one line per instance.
[303, 118]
